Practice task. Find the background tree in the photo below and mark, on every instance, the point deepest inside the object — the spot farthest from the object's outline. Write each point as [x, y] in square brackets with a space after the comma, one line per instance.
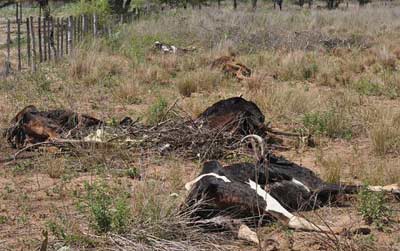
[119, 6]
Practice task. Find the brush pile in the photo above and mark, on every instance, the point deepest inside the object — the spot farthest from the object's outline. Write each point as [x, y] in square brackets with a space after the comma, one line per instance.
[215, 134]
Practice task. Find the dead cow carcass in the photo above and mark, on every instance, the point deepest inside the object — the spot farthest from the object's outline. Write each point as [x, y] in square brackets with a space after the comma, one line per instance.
[236, 115]
[272, 188]
[230, 66]
[166, 48]
[31, 126]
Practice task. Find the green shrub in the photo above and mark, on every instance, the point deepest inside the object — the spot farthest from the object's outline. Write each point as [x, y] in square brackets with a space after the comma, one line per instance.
[121, 216]
[373, 208]
[133, 173]
[369, 88]
[99, 203]
[157, 110]
[108, 212]
[90, 7]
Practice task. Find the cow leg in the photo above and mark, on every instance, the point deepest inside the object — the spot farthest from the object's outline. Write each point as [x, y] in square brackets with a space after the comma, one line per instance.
[393, 188]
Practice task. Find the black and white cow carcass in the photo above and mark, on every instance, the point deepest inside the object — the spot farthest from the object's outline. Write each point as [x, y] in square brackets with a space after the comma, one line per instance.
[171, 49]
[272, 187]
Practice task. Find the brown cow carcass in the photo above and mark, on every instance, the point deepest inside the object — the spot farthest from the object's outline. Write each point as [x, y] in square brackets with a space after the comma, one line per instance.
[32, 126]
[230, 66]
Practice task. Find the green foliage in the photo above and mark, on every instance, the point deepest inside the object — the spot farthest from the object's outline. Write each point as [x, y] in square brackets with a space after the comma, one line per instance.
[331, 123]
[140, 44]
[121, 216]
[157, 111]
[3, 219]
[310, 70]
[70, 238]
[369, 88]
[90, 7]
[133, 173]
[109, 213]
[373, 208]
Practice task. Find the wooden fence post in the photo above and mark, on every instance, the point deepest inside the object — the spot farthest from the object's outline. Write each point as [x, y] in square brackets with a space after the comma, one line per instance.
[40, 39]
[70, 33]
[94, 25]
[28, 41]
[49, 37]
[45, 39]
[52, 43]
[20, 11]
[16, 12]
[19, 43]
[78, 28]
[8, 63]
[66, 37]
[83, 24]
[33, 44]
[58, 38]
[62, 38]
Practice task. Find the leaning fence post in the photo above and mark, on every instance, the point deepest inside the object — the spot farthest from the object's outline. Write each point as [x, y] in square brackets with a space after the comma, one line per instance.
[8, 63]
[28, 41]
[33, 44]
[19, 43]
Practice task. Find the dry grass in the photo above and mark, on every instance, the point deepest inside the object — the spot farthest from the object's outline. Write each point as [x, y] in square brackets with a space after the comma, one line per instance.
[330, 73]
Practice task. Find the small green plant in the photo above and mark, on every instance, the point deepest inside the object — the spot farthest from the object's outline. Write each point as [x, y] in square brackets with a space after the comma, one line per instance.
[157, 110]
[3, 219]
[62, 231]
[331, 123]
[99, 203]
[108, 212]
[310, 70]
[369, 88]
[121, 216]
[373, 208]
[133, 173]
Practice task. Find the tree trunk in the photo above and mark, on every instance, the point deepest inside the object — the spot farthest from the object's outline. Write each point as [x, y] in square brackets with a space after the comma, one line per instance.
[234, 4]
[254, 4]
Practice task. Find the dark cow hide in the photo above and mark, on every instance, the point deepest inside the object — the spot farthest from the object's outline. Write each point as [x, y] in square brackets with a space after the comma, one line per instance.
[235, 114]
[31, 126]
[243, 191]
[295, 187]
